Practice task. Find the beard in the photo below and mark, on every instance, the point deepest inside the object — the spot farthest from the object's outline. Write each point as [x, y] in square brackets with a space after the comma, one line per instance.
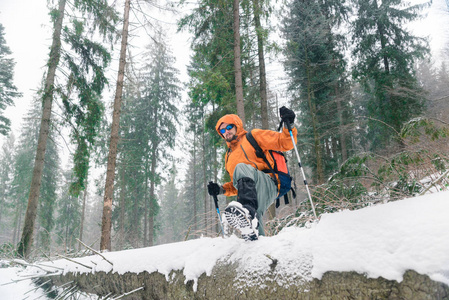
[234, 137]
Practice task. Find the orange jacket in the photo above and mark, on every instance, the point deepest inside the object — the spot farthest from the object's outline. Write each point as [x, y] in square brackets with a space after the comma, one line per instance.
[241, 151]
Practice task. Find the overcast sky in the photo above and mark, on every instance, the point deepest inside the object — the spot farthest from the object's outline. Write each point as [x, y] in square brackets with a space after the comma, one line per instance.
[27, 33]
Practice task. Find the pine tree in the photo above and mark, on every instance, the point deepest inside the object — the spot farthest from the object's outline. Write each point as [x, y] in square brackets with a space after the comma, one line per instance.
[106, 222]
[385, 53]
[172, 212]
[160, 95]
[212, 70]
[318, 82]
[8, 91]
[22, 175]
[84, 56]
[6, 161]
[69, 215]
[147, 134]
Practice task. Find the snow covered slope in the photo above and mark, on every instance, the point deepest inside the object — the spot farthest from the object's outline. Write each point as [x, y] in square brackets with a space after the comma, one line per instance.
[383, 240]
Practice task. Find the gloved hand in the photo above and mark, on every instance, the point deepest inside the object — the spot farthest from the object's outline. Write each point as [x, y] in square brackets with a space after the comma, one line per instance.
[214, 189]
[287, 115]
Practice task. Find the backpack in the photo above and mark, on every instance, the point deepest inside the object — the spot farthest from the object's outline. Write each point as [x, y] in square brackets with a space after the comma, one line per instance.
[280, 168]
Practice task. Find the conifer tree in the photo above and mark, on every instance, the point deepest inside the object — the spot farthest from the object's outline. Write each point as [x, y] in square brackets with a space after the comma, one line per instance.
[69, 215]
[6, 161]
[85, 60]
[172, 212]
[106, 222]
[160, 96]
[22, 175]
[318, 82]
[8, 91]
[385, 52]
[147, 134]
[212, 70]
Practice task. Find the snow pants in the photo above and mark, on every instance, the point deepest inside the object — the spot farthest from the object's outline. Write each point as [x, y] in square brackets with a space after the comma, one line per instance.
[265, 187]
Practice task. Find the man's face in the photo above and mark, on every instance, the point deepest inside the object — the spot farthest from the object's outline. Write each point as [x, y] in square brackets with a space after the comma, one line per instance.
[229, 133]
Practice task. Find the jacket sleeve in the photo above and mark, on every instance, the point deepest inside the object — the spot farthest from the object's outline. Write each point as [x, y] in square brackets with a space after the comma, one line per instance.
[229, 188]
[273, 140]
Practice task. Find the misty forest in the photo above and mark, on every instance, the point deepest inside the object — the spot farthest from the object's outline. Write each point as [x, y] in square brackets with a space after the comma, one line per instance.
[117, 148]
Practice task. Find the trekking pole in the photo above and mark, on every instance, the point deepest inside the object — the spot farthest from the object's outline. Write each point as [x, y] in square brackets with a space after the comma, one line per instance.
[302, 170]
[218, 212]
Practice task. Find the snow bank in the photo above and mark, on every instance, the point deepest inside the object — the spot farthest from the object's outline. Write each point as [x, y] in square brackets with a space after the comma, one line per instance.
[384, 240]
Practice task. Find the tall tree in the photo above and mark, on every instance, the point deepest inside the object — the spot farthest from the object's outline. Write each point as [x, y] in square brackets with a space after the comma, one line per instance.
[48, 193]
[172, 211]
[260, 32]
[6, 161]
[147, 132]
[237, 62]
[385, 52]
[212, 69]
[22, 174]
[83, 57]
[8, 91]
[160, 94]
[69, 215]
[318, 82]
[106, 224]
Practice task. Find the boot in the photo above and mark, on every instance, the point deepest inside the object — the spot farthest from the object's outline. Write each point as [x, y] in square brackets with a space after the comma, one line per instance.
[241, 215]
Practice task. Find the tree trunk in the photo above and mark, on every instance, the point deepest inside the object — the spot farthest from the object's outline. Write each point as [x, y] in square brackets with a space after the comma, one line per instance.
[154, 157]
[203, 162]
[121, 239]
[195, 210]
[237, 63]
[135, 214]
[344, 148]
[316, 138]
[152, 196]
[83, 213]
[26, 241]
[262, 72]
[146, 209]
[106, 225]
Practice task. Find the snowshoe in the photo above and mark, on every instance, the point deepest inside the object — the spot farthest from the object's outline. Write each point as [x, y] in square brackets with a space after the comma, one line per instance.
[237, 220]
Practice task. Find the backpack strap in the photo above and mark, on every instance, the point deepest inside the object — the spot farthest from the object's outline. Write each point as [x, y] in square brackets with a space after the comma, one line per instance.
[260, 154]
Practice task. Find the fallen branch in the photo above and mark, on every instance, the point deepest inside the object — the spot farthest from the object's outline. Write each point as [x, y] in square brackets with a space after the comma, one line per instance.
[74, 261]
[96, 252]
[129, 293]
[435, 182]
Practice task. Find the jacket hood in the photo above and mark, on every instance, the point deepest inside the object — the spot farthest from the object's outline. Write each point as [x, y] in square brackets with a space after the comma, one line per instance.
[231, 119]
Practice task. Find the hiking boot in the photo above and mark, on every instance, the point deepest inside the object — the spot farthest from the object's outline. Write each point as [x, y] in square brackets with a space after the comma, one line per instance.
[237, 217]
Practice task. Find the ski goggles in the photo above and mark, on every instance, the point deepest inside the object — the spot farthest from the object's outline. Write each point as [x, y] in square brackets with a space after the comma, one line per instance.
[229, 127]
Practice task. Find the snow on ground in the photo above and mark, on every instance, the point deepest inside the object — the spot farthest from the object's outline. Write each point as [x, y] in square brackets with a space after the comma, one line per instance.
[14, 286]
[383, 240]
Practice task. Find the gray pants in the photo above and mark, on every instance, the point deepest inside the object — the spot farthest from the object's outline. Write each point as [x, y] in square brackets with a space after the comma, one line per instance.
[265, 186]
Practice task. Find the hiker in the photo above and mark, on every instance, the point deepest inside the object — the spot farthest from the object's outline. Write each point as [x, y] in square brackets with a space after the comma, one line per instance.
[251, 179]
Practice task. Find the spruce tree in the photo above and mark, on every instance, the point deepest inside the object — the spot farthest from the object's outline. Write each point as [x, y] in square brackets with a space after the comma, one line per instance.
[318, 83]
[172, 213]
[85, 60]
[148, 132]
[8, 91]
[22, 175]
[69, 215]
[6, 161]
[385, 52]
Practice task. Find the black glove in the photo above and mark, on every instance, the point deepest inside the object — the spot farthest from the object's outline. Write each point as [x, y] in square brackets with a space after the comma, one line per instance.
[287, 115]
[214, 189]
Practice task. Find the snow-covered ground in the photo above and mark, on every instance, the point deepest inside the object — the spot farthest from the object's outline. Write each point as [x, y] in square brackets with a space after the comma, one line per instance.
[383, 240]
